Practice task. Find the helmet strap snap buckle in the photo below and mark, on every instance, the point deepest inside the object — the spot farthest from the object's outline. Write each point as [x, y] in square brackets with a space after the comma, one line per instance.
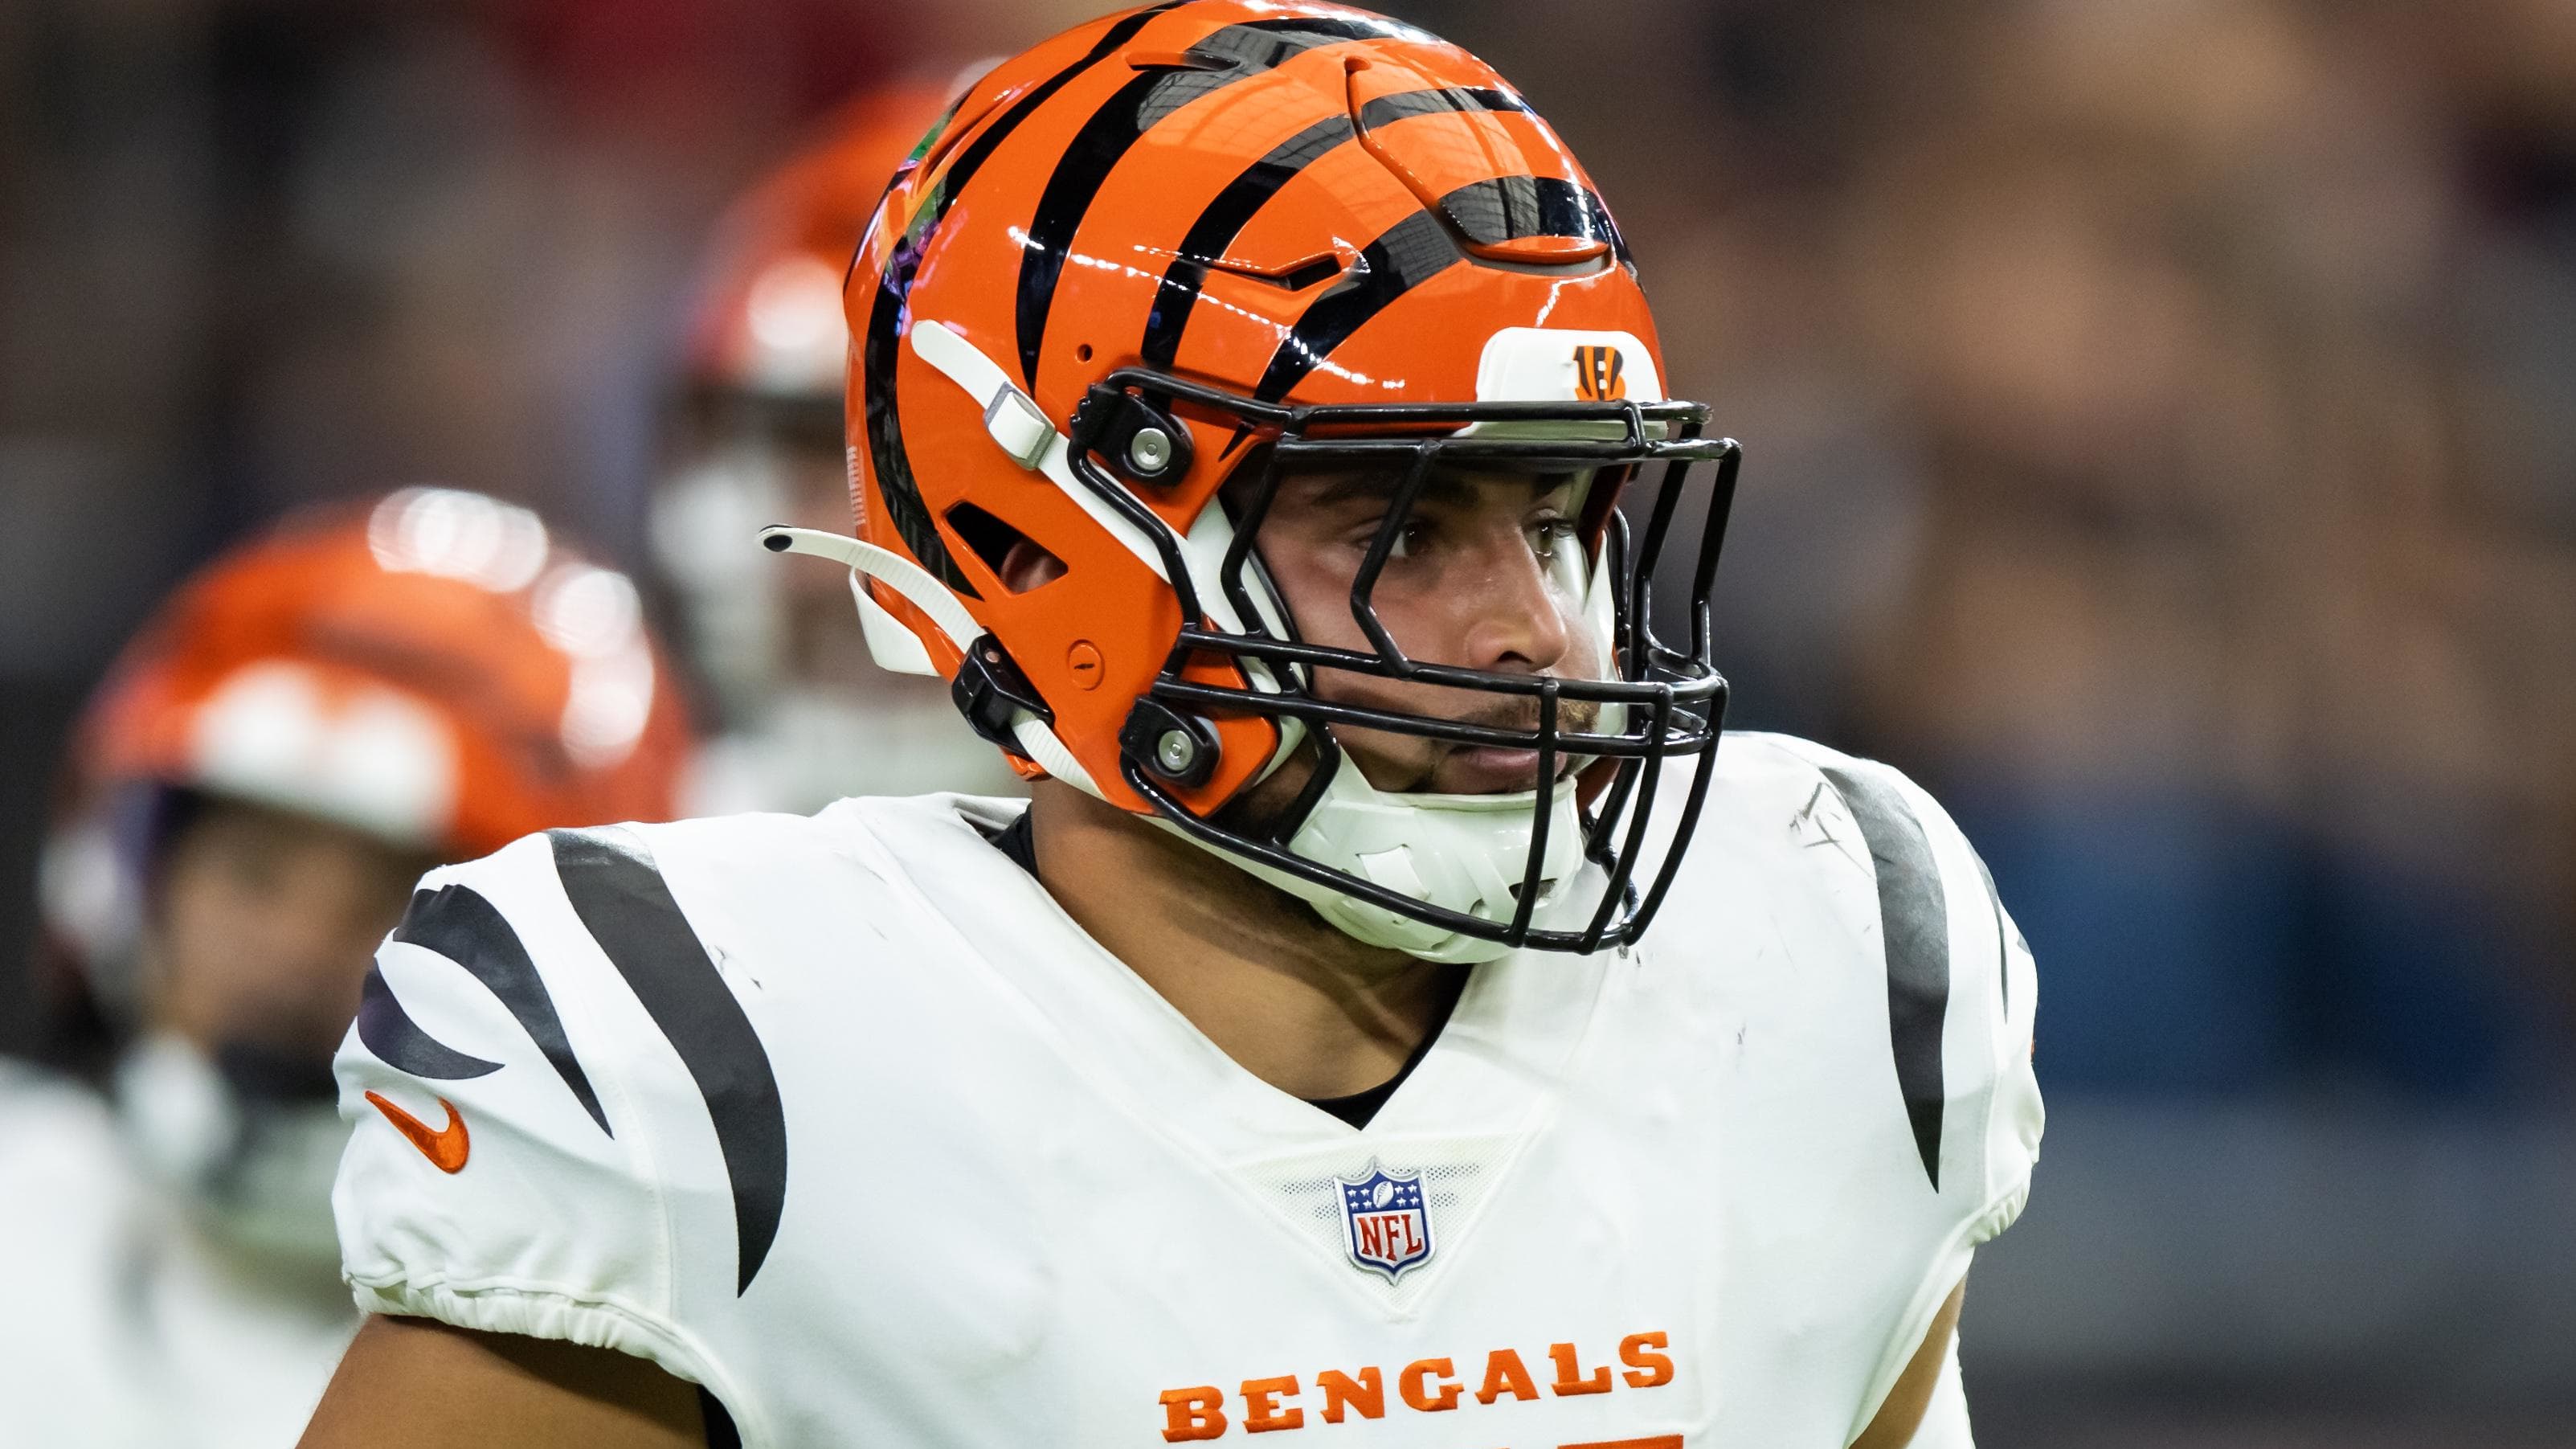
[1138, 440]
[1178, 747]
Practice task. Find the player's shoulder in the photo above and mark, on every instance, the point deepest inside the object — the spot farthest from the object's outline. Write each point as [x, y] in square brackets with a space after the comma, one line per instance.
[1881, 1006]
[556, 1069]
[1751, 756]
[698, 921]
[743, 850]
[1753, 764]
[563, 916]
[570, 1054]
[710, 872]
[1881, 865]
[860, 838]
[1835, 903]
[1792, 812]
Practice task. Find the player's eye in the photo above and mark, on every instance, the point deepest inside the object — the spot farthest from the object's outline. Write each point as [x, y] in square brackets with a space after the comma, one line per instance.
[1551, 537]
[1410, 539]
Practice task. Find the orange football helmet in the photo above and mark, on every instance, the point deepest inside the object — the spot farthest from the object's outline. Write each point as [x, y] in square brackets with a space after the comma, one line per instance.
[766, 327]
[435, 670]
[803, 719]
[1189, 248]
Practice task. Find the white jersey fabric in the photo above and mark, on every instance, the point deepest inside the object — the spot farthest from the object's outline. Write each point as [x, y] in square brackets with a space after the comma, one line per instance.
[843, 1119]
[126, 1326]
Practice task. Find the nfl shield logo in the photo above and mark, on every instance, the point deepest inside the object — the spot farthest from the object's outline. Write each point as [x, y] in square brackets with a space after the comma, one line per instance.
[1384, 1223]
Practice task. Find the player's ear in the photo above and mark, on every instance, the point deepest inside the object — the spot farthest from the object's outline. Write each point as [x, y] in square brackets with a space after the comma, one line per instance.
[1025, 566]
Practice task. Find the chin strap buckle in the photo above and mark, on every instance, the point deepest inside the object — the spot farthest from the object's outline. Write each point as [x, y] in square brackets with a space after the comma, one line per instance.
[1140, 443]
[990, 691]
[1178, 747]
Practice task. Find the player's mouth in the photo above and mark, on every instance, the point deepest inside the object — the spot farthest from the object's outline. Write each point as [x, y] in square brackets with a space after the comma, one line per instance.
[1465, 769]
[1434, 766]
[1492, 770]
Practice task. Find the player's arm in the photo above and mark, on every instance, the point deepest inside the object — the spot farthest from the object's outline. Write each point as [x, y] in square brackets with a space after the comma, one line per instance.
[414, 1383]
[1905, 1409]
[504, 1200]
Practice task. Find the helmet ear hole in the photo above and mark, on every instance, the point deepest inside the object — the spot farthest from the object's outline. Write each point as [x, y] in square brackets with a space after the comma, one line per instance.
[1016, 561]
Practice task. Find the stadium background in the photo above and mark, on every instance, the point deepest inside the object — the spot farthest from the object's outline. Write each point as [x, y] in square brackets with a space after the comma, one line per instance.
[2161, 423]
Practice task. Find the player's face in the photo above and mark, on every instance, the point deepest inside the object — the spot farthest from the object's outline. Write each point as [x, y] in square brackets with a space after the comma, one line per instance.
[263, 923]
[1489, 573]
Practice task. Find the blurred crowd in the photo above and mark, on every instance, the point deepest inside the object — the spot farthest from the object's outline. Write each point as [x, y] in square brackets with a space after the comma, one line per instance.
[2162, 437]
[2160, 414]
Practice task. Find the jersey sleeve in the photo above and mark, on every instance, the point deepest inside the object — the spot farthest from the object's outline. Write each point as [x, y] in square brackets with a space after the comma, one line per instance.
[1923, 1091]
[1991, 1116]
[522, 1132]
[1962, 1001]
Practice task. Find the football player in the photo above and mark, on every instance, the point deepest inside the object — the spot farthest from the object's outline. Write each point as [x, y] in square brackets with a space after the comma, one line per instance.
[801, 717]
[1396, 1019]
[304, 727]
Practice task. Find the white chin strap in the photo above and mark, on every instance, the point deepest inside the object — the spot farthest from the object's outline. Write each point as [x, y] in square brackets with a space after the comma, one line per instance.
[1463, 853]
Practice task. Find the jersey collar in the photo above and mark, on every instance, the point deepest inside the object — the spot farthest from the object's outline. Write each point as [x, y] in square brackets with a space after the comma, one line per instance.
[1495, 1069]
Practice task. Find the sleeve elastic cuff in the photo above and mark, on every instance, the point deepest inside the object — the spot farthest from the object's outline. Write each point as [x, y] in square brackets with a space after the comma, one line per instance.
[1999, 1214]
[538, 1312]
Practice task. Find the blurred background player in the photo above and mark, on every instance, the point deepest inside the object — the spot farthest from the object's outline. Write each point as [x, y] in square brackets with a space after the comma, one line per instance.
[803, 717]
[303, 729]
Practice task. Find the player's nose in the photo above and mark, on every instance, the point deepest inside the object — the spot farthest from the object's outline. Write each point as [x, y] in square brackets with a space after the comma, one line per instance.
[1514, 621]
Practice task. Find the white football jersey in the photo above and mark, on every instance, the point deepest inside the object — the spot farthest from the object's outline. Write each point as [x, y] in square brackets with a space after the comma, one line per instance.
[843, 1119]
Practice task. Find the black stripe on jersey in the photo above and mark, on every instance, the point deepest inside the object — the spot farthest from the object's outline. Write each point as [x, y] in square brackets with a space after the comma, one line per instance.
[890, 311]
[397, 1040]
[1244, 196]
[1235, 53]
[1914, 928]
[462, 926]
[625, 904]
[2003, 937]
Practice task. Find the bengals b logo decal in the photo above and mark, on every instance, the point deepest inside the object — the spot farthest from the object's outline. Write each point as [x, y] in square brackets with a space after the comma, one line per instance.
[1596, 374]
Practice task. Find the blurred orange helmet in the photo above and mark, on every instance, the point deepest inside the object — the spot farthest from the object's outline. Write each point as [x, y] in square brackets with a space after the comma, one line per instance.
[435, 670]
[1170, 241]
[802, 719]
[766, 326]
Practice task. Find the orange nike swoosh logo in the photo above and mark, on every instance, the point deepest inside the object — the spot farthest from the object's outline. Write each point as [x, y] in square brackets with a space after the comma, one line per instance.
[445, 1146]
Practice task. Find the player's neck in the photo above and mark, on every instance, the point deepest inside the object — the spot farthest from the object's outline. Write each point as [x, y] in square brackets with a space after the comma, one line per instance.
[1293, 1001]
